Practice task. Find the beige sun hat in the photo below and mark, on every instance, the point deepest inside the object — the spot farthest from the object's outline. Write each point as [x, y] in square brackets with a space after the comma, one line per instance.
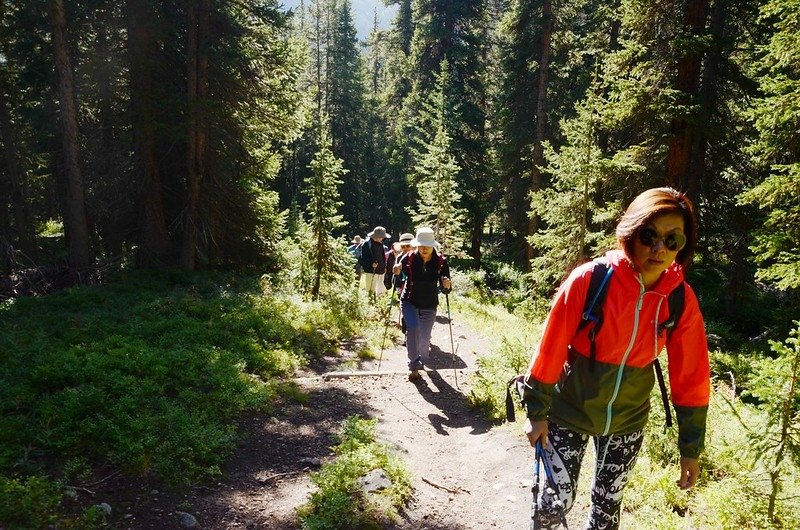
[406, 238]
[379, 232]
[425, 238]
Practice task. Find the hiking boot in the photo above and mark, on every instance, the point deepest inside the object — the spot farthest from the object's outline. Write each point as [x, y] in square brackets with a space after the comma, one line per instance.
[414, 375]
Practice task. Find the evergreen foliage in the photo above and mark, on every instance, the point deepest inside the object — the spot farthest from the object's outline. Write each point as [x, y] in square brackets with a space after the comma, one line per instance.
[435, 174]
[777, 119]
[322, 190]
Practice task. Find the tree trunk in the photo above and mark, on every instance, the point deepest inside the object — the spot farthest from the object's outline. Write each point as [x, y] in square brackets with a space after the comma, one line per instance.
[197, 49]
[680, 144]
[603, 134]
[26, 234]
[75, 226]
[541, 116]
[707, 99]
[154, 244]
[109, 228]
[475, 241]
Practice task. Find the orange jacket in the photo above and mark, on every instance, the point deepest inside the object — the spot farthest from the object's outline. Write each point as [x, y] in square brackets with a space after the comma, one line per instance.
[613, 396]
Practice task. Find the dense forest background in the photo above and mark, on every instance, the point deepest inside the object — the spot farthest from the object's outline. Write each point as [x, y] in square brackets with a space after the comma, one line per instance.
[214, 134]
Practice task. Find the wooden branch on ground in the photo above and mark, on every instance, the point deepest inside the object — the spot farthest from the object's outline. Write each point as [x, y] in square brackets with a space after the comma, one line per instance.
[448, 490]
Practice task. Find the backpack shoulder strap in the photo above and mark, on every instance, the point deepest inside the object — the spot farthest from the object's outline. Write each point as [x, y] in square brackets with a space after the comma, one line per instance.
[596, 294]
[593, 307]
[675, 303]
[440, 263]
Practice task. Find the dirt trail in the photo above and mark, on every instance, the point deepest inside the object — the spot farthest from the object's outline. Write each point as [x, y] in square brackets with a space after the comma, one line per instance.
[466, 474]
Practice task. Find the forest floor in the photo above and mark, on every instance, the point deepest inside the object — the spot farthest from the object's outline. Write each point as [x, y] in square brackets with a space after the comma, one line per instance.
[466, 472]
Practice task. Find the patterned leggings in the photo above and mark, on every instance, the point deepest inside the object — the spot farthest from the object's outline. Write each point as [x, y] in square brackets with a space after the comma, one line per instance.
[616, 456]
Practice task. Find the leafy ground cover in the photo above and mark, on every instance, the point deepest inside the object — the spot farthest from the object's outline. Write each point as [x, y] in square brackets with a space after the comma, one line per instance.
[144, 376]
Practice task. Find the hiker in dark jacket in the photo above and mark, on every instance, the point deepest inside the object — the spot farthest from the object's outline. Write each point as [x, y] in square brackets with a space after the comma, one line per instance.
[606, 392]
[355, 250]
[423, 271]
[373, 261]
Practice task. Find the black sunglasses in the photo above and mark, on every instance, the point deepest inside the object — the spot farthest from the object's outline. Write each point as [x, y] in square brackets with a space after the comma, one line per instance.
[674, 241]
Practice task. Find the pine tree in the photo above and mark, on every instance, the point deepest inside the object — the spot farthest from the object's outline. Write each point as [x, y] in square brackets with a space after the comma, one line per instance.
[777, 119]
[435, 174]
[576, 219]
[346, 89]
[452, 30]
[322, 190]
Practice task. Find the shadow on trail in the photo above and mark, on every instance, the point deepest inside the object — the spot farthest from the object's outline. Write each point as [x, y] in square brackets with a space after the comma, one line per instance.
[453, 405]
[442, 360]
[273, 454]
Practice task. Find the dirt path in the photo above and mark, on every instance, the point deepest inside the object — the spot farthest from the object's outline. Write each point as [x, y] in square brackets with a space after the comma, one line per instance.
[466, 474]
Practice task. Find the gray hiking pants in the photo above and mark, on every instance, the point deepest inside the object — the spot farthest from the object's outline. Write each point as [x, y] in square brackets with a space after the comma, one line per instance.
[616, 456]
[419, 325]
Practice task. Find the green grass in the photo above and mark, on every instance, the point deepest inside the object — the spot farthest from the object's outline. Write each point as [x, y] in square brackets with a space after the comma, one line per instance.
[146, 375]
[339, 502]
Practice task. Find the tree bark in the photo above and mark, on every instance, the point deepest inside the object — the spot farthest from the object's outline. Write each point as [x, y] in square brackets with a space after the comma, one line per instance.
[603, 134]
[154, 243]
[197, 47]
[26, 234]
[541, 116]
[688, 82]
[75, 226]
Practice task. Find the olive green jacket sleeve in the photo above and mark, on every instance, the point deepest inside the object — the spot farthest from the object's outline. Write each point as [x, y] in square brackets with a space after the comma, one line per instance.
[537, 397]
[691, 430]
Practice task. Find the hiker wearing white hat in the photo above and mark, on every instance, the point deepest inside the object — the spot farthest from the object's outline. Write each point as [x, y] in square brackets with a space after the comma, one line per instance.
[424, 271]
[373, 261]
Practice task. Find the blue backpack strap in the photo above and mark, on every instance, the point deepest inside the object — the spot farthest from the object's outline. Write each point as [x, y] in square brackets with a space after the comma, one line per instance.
[593, 307]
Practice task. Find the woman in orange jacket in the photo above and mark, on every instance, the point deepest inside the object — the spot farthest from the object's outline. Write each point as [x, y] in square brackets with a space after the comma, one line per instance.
[605, 395]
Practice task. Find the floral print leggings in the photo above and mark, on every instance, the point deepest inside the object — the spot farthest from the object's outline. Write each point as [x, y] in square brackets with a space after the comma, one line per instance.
[616, 456]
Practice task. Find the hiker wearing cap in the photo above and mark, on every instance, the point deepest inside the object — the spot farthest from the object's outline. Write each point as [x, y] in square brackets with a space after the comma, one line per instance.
[423, 270]
[373, 261]
[354, 251]
[399, 247]
[591, 376]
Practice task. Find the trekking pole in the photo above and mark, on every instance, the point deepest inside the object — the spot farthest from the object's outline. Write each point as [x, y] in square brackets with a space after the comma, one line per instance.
[535, 488]
[551, 482]
[372, 279]
[452, 349]
[386, 325]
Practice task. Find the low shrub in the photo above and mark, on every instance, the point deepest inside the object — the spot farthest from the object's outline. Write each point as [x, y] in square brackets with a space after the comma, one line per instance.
[339, 502]
[146, 374]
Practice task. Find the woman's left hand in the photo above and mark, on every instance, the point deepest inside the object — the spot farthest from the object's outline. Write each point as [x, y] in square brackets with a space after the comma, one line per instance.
[690, 470]
[446, 283]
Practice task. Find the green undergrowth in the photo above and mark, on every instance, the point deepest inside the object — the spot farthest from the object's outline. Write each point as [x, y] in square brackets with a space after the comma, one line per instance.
[339, 502]
[145, 375]
[512, 339]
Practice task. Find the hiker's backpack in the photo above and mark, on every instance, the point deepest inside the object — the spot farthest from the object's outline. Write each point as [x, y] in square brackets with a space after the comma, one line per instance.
[593, 313]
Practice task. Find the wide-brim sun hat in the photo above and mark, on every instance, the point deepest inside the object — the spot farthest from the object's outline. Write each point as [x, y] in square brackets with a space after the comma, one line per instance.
[356, 240]
[379, 232]
[425, 238]
[406, 238]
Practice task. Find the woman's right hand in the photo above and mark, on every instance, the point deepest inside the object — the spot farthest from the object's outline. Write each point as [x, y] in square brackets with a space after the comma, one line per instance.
[396, 270]
[536, 431]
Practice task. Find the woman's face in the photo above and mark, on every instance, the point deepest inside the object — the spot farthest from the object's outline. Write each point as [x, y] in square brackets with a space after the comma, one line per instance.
[425, 252]
[656, 245]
